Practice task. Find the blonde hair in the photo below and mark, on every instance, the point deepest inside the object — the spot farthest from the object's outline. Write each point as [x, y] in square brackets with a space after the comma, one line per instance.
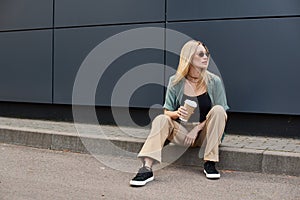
[186, 55]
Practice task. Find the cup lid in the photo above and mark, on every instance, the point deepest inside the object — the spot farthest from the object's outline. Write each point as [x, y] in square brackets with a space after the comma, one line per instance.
[190, 103]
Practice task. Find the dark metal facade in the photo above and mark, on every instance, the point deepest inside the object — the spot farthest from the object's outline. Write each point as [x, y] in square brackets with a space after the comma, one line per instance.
[255, 45]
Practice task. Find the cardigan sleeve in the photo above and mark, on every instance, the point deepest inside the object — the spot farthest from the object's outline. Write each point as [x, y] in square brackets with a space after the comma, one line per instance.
[170, 100]
[219, 94]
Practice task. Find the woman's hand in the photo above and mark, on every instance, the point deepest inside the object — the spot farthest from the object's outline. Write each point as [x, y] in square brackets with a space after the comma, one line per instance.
[182, 112]
[192, 135]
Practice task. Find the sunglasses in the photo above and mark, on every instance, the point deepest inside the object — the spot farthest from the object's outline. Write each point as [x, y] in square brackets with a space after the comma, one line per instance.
[201, 54]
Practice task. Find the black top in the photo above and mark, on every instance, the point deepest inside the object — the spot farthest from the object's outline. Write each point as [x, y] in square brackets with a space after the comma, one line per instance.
[204, 103]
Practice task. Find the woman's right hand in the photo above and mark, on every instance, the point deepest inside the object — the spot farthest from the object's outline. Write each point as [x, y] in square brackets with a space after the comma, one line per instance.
[182, 112]
[177, 113]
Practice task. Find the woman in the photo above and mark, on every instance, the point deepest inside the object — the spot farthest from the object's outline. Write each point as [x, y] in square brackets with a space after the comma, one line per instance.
[191, 81]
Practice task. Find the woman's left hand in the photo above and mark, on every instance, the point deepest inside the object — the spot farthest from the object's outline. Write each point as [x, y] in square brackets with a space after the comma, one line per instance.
[191, 136]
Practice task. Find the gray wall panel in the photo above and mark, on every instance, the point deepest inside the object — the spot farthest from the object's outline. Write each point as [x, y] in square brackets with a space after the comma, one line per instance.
[258, 59]
[195, 9]
[73, 45]
[26, 66]
[29, 14]
[95, 12]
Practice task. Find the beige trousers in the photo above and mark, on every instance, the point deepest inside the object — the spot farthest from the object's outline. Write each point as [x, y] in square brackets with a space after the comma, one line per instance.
[163, 128]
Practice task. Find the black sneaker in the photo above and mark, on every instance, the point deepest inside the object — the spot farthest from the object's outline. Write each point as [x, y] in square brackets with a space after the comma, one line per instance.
[143, 176]
[210, 170]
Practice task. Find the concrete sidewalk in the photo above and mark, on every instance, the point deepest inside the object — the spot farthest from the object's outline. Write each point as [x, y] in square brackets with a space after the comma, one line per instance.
[244, 153]
[39, 174]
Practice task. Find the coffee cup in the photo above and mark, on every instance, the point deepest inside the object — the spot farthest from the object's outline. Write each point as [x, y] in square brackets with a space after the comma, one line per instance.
[190, 107]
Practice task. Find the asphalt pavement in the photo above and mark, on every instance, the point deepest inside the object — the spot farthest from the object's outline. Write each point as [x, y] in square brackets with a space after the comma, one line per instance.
[30, 173]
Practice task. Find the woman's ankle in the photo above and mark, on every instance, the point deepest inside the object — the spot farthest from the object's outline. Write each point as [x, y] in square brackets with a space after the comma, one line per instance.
[148, 162]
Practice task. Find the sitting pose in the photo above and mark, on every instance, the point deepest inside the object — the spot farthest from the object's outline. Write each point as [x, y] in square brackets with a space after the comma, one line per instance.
[206, 125]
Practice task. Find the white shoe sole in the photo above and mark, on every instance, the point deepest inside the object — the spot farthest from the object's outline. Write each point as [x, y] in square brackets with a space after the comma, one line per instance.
[141, 183]
[212, 176]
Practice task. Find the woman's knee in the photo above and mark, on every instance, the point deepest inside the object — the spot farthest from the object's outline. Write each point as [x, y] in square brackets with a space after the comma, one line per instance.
[162, 124]
[162, 118]
[218, 110]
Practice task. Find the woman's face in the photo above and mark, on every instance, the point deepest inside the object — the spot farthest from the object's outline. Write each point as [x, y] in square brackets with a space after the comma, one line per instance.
[201, 58]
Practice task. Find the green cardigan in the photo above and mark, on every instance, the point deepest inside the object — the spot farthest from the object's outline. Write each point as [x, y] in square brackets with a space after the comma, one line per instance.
[215, 90]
